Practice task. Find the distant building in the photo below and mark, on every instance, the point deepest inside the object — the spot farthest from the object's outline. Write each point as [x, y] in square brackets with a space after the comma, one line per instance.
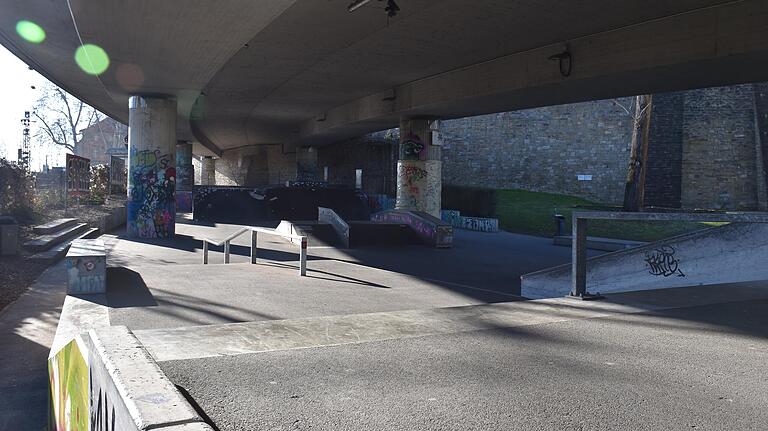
[102, 140]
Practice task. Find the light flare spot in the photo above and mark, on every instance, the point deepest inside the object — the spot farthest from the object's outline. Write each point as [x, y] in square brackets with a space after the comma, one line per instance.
[92, 59]
[30, 31]
[129, 76]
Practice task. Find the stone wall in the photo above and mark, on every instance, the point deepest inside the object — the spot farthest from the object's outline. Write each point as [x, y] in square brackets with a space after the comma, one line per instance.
[543, 149]
[256, 166]
[719, 159]
[665, 152]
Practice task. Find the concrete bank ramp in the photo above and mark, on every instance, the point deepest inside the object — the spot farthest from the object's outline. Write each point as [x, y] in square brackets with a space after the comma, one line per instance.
[732, 253]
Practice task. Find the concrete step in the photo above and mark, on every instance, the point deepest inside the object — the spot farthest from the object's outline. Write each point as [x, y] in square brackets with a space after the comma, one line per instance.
[365, 233]
[598, 243]
[54, 226]
[60, 250]
[45, 242]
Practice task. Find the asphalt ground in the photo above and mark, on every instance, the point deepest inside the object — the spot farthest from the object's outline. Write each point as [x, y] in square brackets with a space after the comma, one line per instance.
[699, 367]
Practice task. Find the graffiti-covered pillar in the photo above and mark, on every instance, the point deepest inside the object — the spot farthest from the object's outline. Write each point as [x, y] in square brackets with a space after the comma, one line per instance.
[151, 167]
[208, 171]
[185, 176]
[419, 177]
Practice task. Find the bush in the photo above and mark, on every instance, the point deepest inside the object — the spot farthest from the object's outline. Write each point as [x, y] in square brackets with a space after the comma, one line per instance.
[17, 196]
[99, 185]
[471, 201]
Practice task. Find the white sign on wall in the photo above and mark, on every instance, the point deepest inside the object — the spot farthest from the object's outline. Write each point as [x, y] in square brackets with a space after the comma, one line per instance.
[584, 177]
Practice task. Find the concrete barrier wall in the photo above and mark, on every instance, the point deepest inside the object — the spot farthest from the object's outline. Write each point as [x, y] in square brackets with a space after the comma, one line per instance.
[479, 224]
[731, 253]
[111, 221]
[105, 380]
[430, 230]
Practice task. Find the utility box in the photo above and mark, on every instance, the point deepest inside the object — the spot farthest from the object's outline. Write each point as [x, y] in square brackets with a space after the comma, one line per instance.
[9, 236]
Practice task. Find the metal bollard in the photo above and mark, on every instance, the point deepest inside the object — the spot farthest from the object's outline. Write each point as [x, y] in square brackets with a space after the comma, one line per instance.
[205, 252]
[254, 248]
[226, 252]
[303, 257]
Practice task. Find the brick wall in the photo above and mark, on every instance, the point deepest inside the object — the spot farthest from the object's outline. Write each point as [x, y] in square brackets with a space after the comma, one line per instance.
[719, 156]
[542, 149]
[663, 178]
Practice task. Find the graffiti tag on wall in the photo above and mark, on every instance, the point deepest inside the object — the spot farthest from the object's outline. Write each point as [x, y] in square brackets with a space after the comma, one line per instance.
[662, 262]
[411, 148]
[151, 195]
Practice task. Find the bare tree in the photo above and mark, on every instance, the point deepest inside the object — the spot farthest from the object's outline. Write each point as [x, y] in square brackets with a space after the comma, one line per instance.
[634, 191]
[61, 117]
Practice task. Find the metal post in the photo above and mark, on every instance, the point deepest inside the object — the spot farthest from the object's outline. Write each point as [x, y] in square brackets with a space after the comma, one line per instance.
[303, 257]
[579, 257]
[579, 260]
[254, 248]
[205, 252]
[226, 252]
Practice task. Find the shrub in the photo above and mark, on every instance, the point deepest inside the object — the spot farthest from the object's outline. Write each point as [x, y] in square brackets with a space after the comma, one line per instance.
[99, 184]
[17, 196]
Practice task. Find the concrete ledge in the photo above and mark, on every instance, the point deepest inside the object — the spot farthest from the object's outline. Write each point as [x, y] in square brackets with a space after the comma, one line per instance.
[127, 388]
[79, 314]
[431, 230]
[111, 221]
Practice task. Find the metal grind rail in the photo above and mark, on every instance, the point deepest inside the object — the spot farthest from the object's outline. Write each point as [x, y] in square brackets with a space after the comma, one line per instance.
[254, 239]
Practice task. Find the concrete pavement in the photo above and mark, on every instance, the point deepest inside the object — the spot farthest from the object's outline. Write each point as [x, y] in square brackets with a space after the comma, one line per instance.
[27, 329]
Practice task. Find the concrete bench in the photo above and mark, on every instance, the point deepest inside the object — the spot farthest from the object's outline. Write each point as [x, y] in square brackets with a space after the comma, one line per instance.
[86, 264]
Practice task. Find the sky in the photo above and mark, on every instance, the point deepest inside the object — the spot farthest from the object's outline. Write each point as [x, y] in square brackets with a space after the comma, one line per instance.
[16, 97]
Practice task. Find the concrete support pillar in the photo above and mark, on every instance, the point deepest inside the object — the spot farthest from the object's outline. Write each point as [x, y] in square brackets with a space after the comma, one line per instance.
[306, 164]
[208, 171]
[185, 176]
[419, 169]
[151, 167]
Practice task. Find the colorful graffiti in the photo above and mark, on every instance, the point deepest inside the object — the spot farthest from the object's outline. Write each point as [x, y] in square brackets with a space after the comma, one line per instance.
[86, 274]
[411, 147]
[151, 195]
[68, 378]
[480, 224]
[185, 173]
[183, 201]
[78, 175]
[428, 228]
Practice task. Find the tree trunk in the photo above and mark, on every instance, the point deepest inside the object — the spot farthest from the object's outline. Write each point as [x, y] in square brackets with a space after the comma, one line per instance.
[634, 190]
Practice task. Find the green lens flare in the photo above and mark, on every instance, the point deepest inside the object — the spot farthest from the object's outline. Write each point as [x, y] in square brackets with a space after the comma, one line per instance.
[30, 31]
[92, 59]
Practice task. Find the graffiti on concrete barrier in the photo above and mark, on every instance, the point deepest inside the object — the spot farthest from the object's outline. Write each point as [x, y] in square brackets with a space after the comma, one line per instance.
[86, 274]
[411, 185]
[662, 261]
[68, 379]
[102, 413]
[151, 195]
[411, 148]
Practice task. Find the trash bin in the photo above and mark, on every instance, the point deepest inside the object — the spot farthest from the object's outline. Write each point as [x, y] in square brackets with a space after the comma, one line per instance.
[559, 224]
[9, 236]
